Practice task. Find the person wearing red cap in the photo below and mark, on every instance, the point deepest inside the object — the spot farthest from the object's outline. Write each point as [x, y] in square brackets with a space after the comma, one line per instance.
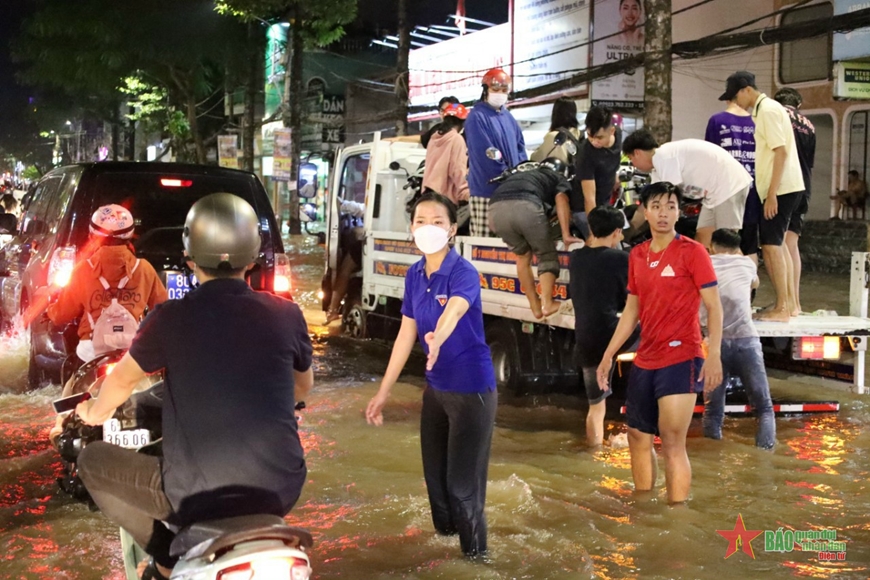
[495, 143]
[780, 186]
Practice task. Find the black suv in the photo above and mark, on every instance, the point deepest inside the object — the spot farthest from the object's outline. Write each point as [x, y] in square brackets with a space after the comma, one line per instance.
[54, 229]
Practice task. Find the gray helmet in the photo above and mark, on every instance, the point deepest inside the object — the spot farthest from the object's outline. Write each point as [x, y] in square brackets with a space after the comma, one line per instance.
[221, 228]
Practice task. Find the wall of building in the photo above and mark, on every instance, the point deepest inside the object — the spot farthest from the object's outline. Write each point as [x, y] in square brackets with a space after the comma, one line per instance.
[698, 83]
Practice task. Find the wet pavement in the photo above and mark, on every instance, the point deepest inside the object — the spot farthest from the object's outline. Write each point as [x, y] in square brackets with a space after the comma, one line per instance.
[555, 509]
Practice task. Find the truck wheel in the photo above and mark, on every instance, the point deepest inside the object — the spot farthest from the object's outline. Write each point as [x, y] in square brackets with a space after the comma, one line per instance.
[355, 321]
[505, 358]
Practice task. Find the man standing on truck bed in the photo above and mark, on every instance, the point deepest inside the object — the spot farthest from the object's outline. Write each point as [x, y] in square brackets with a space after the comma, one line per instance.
[668, 276]
[495, 143]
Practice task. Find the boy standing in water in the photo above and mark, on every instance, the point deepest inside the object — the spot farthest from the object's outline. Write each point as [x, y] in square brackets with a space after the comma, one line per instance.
[741, 347]
[668, 277]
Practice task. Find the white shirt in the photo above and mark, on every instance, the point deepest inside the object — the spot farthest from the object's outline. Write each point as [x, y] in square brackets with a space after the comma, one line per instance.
[734, 274]
[701, 168]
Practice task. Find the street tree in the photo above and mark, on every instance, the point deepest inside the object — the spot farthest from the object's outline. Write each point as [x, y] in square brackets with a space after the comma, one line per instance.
[657, 69]
[311, 23]
[88, 48]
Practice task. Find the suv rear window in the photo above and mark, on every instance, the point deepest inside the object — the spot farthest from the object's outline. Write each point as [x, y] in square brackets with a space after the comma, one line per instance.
[161, 201]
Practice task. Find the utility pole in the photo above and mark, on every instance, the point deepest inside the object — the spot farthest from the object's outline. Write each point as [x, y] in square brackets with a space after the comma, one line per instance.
[657, 69]
[402, 70]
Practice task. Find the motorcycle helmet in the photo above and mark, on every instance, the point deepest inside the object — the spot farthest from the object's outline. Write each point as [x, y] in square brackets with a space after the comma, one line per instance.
[458, 111]
[497, 78]
[112, 221]
[221, 228]
[556, 165]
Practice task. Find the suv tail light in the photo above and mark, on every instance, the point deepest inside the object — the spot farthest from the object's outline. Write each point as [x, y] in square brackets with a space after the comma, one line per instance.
[282, 282]
[60, 268]
[272, 569]
[171, 182]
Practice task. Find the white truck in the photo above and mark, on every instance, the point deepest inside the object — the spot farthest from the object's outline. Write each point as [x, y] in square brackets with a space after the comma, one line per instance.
[530, 356]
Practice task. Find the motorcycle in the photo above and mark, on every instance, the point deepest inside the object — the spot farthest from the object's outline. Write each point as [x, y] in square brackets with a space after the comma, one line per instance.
[251, 546]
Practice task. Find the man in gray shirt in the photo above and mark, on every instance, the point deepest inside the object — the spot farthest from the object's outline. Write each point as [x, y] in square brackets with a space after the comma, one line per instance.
[741, 347]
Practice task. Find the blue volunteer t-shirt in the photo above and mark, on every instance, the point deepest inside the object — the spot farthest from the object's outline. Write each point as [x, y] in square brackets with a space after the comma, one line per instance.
[464, 364]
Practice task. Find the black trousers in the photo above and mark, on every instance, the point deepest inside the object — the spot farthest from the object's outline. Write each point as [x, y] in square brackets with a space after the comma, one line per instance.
[455, 436]
[128, 488]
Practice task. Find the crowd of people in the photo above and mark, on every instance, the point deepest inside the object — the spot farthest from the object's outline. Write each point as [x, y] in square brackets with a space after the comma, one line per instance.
[682, 305]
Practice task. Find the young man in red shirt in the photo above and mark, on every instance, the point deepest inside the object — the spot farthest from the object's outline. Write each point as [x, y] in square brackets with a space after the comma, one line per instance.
[668, 277]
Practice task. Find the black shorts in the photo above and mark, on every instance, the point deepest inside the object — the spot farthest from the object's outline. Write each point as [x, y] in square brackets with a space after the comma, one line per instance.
[647, 386]
[772, 232]
[796, 225]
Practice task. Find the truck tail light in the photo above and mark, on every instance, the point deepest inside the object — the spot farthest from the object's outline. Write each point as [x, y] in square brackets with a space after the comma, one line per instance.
[816, 348]
[282, 282]
[60, 268]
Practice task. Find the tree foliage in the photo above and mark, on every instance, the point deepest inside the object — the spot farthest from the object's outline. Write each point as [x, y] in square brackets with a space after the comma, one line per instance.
[88, 48]
[320, 22]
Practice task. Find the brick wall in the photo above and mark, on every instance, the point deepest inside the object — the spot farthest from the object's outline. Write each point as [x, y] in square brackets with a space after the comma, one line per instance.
[827, 246]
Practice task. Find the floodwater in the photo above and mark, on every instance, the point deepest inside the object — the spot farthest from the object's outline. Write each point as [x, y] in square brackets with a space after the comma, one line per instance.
[555, 509]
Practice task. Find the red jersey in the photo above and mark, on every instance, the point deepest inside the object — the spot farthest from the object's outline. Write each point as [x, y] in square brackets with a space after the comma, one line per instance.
[667, 286]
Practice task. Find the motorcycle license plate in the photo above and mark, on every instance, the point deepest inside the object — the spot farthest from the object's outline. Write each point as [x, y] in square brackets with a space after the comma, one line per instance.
[131, 438]
[178, 284]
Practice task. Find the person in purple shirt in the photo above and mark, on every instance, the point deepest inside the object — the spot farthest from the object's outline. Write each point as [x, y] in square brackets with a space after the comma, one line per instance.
[495, 143]
[734, 131]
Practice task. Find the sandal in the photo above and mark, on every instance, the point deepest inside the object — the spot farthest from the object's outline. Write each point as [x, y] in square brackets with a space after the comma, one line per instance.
[152, 573]
[332, 316]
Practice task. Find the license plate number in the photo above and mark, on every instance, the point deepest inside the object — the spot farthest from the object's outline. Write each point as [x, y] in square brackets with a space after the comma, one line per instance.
[131, 438]
[178, 284]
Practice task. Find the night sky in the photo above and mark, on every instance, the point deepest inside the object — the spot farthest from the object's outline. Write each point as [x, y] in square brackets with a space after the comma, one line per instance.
[375, 16]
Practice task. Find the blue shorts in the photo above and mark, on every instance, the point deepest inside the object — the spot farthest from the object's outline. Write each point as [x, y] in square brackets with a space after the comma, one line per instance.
[647, 386]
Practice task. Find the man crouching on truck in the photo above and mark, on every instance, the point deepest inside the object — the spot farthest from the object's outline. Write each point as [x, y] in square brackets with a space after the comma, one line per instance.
[519, 213]
[668, 277]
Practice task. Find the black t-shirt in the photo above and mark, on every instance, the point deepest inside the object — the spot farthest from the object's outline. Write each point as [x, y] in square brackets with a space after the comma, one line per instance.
[599, 165]
[230, 440]
[540, 185]
[805, 140]
[598, 289]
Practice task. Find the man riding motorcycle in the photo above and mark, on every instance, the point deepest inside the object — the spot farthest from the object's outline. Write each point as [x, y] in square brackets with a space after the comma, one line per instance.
[235, 362]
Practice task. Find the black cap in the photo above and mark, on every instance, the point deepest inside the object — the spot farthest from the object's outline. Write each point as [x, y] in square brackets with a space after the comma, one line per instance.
[739, 80]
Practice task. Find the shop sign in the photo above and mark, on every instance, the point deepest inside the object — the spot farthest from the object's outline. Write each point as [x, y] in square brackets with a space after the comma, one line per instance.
[228, 151]
[282, 152]
[852, 80]
[855, 43]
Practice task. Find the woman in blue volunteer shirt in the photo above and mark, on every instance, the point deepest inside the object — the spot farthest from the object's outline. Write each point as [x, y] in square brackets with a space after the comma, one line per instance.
[442, 308]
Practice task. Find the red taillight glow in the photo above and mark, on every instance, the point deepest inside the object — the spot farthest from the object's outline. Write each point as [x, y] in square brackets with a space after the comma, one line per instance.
[271, 569]
[816, 347]
[167, 182]
[106, 370]
[282, 282]
[60, 268]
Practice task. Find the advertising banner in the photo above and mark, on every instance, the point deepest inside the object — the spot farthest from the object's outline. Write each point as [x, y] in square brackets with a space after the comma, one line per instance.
[455, 67]
[228, 151]
[283, 140]
[546, 31]
[854, 44]
[618, 33]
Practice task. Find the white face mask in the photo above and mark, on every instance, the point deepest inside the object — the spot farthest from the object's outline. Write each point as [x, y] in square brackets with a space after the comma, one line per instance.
[430, 239]
[497, 100]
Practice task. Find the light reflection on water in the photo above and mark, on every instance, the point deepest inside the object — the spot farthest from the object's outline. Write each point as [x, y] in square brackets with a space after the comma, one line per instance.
[555, 510]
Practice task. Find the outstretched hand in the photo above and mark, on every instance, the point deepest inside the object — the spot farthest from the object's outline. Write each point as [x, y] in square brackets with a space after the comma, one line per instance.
[434, 350]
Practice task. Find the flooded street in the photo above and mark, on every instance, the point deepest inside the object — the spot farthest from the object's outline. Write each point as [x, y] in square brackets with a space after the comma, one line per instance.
[555, 510]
